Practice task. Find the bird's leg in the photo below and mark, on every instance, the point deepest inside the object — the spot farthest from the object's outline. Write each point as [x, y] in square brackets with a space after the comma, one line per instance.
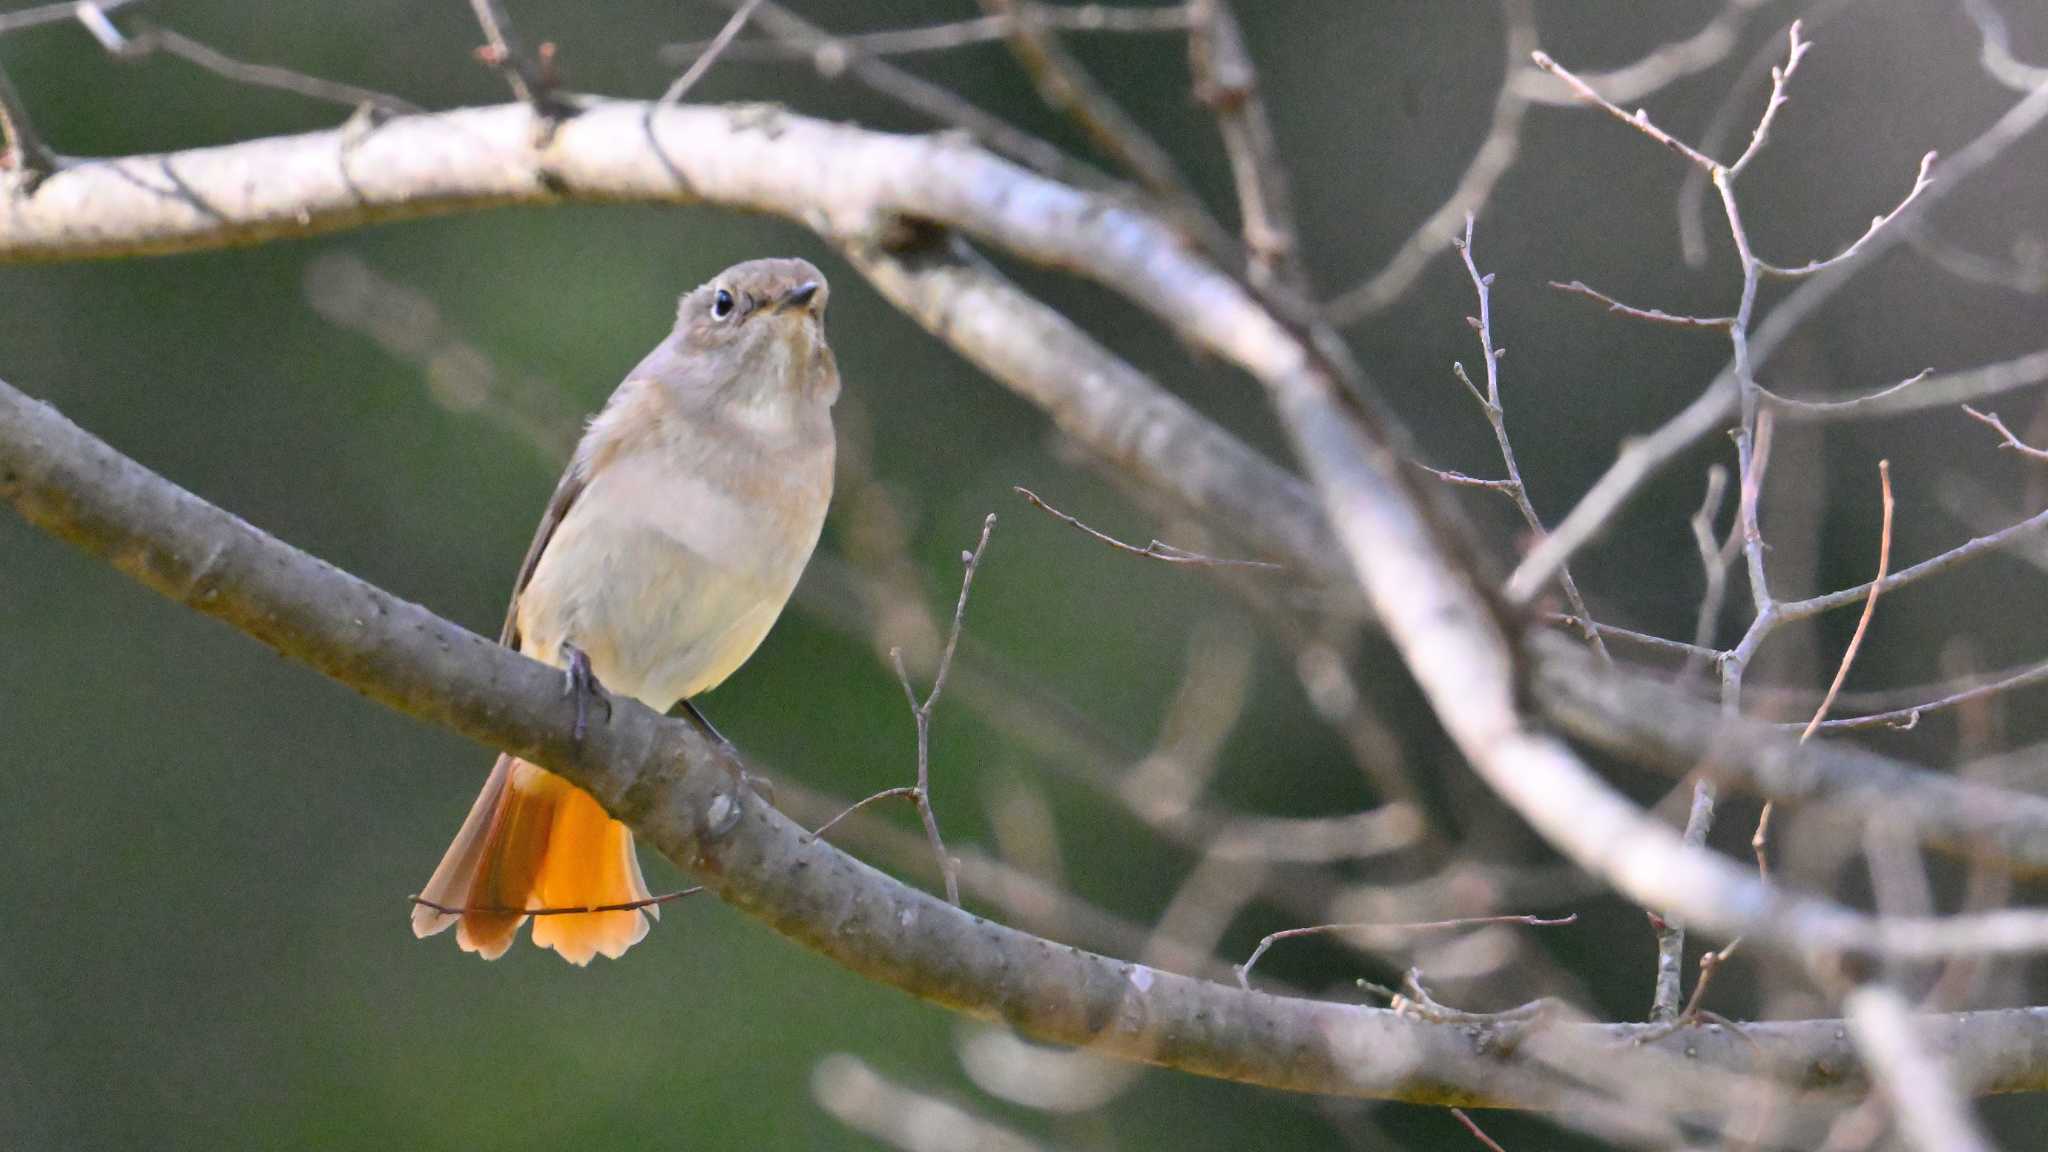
[579, 681]
[760, 784]
[696, 717]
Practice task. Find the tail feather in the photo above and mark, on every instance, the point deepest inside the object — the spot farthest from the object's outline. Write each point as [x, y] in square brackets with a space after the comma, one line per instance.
[586, 867]
[533, 840]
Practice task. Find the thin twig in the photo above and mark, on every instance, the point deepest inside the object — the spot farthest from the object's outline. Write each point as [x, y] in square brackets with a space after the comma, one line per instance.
[1412, 999]
[710, 55]
[1780, 77]
[2006, 439]
[1921, 181]
[1644, 639]
[150, 37]
[1653, 315]
[22, 151]
[1228, 85]
[1244, 970]
[1086, 18]
[628, 906]
[57, 14]
[834, 57]
[1820, 409]
[1908, 717]
[1884, 563]
[1759, 841]
[1789, 611]
[1478, 1133]
[1504, 487]
[1715, 557]
[1663, 65]
[1068, 89]
[1728, 114]
[1669, 981]
[1490, 162]
[528, 75]
[1639, 119]
[1156, 550]
[1643, 457]
[1496, 416]
[919, 794]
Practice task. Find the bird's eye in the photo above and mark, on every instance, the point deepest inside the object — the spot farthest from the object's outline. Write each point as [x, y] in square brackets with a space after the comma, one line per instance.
[721, 305]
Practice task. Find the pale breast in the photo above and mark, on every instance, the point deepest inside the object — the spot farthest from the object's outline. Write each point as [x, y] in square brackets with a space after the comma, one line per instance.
[671, 568]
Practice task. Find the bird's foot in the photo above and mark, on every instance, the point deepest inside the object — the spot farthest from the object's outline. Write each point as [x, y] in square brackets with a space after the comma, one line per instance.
[580, 682]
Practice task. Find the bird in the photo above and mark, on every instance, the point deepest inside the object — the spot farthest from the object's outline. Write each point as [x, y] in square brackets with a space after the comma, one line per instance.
[682, 524]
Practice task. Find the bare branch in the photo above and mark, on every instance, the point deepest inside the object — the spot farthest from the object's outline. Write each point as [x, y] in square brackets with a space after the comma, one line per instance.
[1924, 391]
[1496, 416]
[933, 101]
[1504, 487]
[1877, 224]
[1646, 640]
[1085, 18]
[1156, 550]
[1639, 119]
[1390, 931]
[1642, 457]
[1101, 401]
[57, 13]
[1814, 606]
[1762, 63]
[1490, 162]
[151, 37]
[1884, 563]
[1660, 67]
[1668, 985]
[1780, 77]
[1909, 716]
[528, 74]
[23, 155]
[2025, 272]
[1653, 315]
[1997, 55]
[1478, 1133]
[1227, 82]
[1839, 409]
[920, 794]
[1669, 731]
[1916, 1082]
[2006, 439]
[1715, 557]
[1067, 88]
[702, 62]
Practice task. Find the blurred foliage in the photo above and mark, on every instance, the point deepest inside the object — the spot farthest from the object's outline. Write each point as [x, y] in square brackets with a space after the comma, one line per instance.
[202, 937]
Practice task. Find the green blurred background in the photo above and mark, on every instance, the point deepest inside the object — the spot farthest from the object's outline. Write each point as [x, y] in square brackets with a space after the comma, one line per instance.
[206, 850]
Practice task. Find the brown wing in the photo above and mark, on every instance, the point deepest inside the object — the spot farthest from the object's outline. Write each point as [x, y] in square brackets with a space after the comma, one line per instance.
[573, 481]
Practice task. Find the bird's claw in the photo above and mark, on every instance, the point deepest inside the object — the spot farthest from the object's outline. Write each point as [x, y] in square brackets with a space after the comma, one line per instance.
[580, 682]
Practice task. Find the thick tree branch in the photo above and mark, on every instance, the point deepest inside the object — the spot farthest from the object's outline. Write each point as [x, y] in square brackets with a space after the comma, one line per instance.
[672, 786]
[1660, 727]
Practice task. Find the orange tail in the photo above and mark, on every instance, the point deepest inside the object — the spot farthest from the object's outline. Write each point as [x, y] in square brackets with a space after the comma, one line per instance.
[534, 840]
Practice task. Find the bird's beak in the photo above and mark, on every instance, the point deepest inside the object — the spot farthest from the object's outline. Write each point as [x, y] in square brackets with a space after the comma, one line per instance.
[798, 298]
